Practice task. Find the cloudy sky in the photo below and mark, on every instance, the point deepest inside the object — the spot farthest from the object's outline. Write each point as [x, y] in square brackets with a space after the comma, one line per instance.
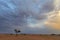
[30, 16]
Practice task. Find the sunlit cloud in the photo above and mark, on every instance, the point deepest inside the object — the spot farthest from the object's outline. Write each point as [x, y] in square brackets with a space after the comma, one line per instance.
[54, 17]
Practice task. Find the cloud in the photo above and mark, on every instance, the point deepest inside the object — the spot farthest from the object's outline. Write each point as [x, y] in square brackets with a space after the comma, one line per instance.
[57, 4]
[25, 15]
[53, 21]
[47, 7]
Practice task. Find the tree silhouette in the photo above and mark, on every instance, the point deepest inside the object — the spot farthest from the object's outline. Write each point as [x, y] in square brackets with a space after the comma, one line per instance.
[17, 31]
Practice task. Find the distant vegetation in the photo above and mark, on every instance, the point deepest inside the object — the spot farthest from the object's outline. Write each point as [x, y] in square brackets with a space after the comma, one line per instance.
[53, 34]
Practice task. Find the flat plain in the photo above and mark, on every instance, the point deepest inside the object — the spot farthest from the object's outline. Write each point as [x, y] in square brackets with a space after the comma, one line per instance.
[28, 37]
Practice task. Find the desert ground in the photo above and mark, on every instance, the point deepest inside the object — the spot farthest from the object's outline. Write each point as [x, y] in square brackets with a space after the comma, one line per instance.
[28, 37]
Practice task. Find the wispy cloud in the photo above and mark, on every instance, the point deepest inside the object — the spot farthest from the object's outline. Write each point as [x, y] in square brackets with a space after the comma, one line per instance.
[54, 17]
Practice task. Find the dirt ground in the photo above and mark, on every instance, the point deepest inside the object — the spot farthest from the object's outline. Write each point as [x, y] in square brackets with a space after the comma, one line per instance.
[28, 37]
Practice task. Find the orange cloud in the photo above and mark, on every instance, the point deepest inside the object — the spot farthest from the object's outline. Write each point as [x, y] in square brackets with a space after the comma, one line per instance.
[54, 20]
[54, 17]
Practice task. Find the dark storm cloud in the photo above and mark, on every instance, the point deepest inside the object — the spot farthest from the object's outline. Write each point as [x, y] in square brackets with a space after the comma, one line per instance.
[14, 14]
[47, 7]
[10, 17]
[7, 22]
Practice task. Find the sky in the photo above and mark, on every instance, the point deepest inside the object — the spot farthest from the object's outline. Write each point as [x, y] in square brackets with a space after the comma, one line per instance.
[30, 16]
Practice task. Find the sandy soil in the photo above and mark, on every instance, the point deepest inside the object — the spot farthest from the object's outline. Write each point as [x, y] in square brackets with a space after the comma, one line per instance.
[28, 37]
